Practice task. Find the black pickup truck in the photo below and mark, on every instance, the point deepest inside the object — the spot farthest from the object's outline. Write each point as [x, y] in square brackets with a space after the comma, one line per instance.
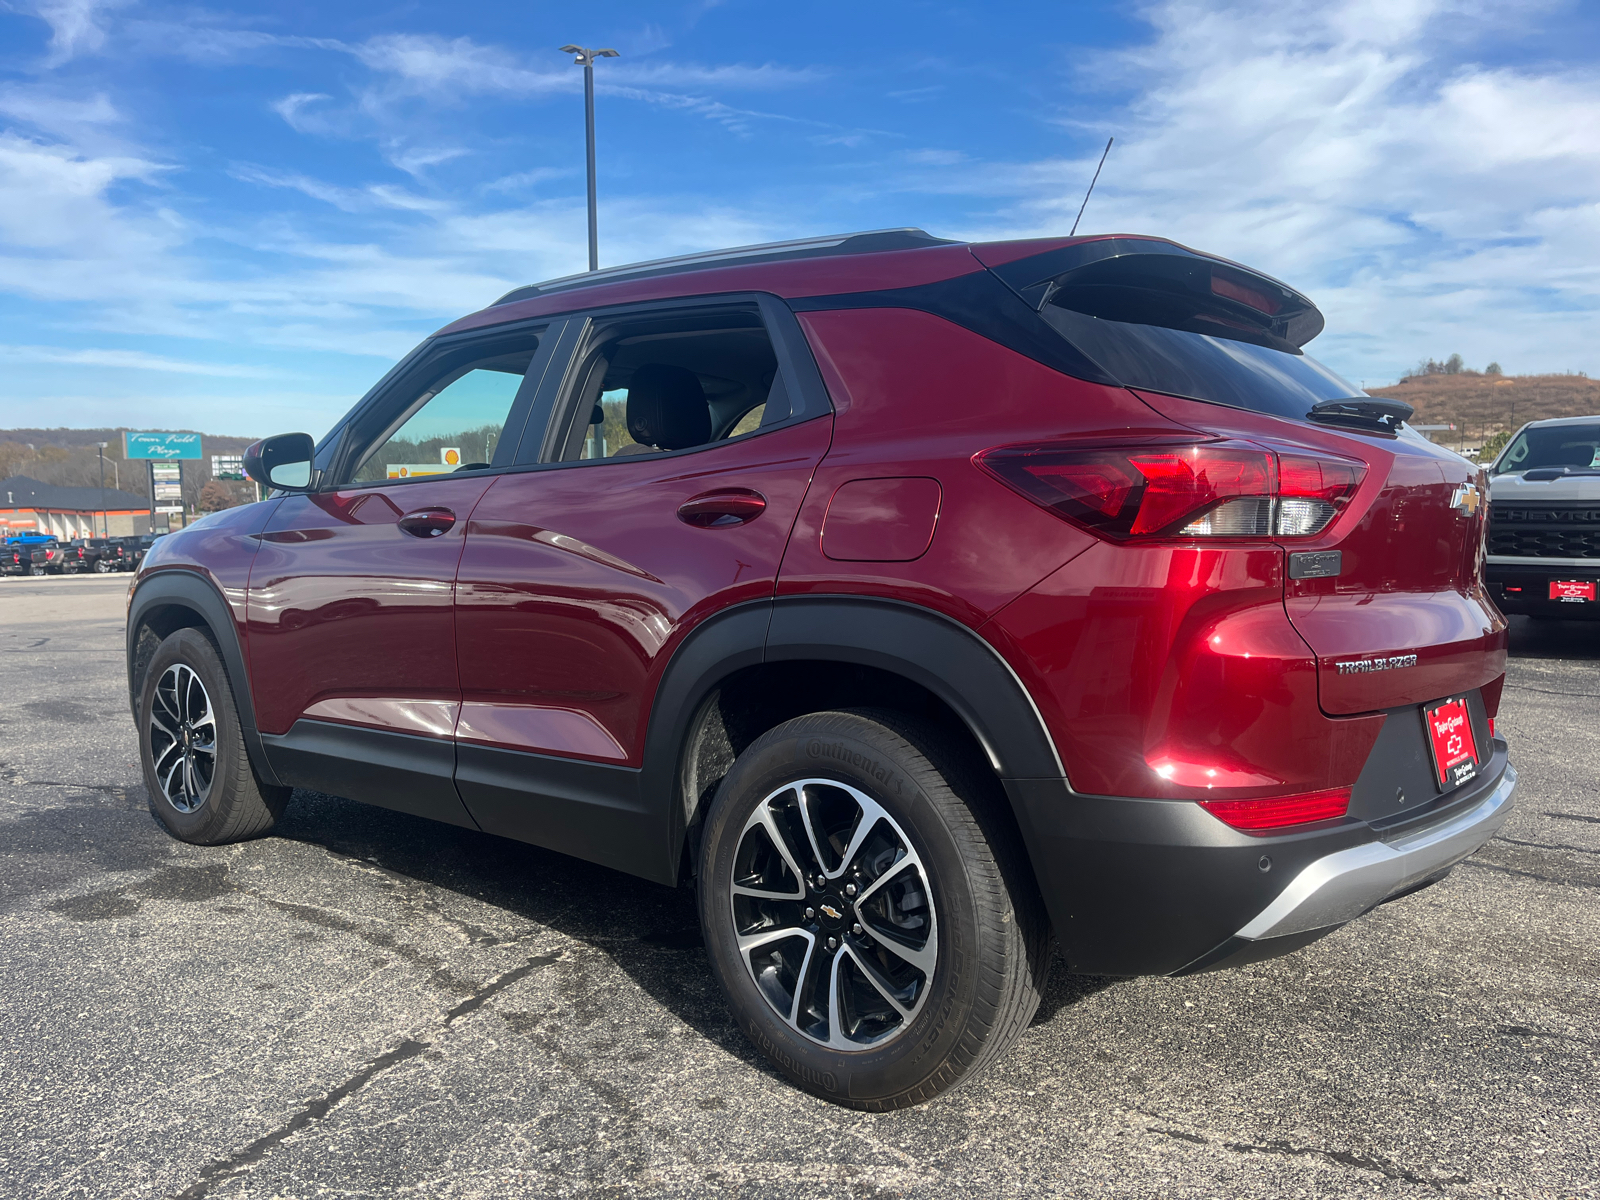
[32, 555]
[1544, 520]
[134, 548]
[100, 555]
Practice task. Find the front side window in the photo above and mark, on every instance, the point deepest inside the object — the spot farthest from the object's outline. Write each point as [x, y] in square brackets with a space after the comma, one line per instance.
[672, 382]
[454, 421]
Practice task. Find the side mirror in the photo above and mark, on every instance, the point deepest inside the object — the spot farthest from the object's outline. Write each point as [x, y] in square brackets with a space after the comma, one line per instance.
[282, 462]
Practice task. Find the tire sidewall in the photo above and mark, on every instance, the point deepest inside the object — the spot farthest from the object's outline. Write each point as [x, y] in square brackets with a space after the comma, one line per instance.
[918, 1055]
[193, 650]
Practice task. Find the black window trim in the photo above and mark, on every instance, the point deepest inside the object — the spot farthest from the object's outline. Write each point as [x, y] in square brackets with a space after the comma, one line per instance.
[555, 363]
[338, 448]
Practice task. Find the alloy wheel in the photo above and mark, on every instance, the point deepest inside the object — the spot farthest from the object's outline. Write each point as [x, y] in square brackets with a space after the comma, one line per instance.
[834, 914]
[183, 738]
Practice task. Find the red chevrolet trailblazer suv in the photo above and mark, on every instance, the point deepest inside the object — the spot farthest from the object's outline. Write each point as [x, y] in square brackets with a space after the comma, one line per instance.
[920, 602]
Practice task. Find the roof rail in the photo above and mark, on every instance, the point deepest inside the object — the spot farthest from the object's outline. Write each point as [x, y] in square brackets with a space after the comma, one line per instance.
[870, 241]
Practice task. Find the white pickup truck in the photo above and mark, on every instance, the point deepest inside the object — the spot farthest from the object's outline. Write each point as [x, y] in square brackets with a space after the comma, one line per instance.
[1544, 520]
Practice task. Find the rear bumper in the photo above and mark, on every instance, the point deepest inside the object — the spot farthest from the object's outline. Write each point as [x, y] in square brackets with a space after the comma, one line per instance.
[1523, 588]
[1341, 886]
[1160, 887]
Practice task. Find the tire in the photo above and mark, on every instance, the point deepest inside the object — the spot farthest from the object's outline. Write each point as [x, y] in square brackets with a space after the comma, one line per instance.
[966, 968]
[211, 793]
[102, 567]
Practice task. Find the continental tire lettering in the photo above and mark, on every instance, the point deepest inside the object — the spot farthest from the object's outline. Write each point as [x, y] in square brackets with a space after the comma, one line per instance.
[839, 752]
[826, 1080]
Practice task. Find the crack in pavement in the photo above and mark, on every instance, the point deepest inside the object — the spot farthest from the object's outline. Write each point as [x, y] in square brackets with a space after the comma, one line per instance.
[1281, 1146]
[441, 977]
[1522, 687]
[1360, 1162]
[1573, 817]
[242, 1160]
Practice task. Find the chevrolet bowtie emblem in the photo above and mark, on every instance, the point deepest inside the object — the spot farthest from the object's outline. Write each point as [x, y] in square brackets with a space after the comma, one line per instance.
[1466, 499]
[833, 913]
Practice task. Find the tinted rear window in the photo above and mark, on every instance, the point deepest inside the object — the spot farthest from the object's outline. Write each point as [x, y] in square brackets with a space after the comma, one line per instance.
[1202, 366]
[1551, 446]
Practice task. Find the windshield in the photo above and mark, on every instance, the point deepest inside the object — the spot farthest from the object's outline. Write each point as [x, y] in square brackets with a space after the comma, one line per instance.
[1551, 446]
[1201, 366]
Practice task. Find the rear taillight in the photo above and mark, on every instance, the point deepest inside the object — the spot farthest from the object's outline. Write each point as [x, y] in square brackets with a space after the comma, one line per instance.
[1209, 489]
[1277, 812]
[1311, 491]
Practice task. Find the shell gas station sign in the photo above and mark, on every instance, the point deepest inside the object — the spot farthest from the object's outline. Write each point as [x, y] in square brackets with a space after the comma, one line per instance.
[449, 460]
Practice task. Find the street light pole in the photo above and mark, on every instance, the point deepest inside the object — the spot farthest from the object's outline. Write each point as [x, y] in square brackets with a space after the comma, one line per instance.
[585, 59]
[105, 526]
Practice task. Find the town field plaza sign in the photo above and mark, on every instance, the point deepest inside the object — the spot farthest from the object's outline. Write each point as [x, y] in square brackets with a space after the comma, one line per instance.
[161, 446]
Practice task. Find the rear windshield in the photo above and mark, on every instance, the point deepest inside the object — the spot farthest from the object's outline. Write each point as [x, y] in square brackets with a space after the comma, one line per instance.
[1551, 446]
[1201, 366]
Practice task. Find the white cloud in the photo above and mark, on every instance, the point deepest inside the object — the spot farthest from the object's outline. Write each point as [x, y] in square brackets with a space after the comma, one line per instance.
[1428, 204]
[452, 68]
[132, 360]
[53, 199]
[414, 160]
[733, 76]
[293, 109]
[75, 26]
[49, 110]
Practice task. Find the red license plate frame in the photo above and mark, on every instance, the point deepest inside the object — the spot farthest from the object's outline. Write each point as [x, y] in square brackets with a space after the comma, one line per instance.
[1448, 724]
[1572, 591]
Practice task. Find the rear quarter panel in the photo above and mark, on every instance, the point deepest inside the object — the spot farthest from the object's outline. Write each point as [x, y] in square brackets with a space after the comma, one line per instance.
[917, 396]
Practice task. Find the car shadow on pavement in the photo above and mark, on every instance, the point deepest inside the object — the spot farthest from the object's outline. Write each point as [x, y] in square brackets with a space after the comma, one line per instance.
[652, 932]
[1572, 640]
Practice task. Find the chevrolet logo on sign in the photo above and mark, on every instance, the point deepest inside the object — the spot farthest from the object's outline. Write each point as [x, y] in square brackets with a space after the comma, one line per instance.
[1466, 499]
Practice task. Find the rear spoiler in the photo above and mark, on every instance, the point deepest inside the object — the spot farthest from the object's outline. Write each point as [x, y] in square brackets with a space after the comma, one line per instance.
[1149, 281]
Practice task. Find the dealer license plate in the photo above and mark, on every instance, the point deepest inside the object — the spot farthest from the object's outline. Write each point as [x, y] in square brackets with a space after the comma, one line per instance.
[1572, 591]
[1455, 751]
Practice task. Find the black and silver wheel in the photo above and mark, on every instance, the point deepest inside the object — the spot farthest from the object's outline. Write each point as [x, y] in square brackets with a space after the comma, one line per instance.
[867, 910]
[834, 914]
[101, 566]
[182, 736]
[196, 768]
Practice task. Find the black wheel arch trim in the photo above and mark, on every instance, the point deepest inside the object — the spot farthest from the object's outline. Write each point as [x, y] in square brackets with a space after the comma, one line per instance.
[934, 651]
[182, 588]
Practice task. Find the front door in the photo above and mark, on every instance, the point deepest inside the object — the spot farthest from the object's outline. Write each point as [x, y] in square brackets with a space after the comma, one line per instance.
[350, 627]
[672, 466]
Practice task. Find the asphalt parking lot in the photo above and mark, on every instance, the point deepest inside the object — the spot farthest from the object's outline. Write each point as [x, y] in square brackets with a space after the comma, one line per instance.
[369, 1005]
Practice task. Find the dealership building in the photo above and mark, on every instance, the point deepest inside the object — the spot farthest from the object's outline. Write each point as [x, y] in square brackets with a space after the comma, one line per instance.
[28, 506]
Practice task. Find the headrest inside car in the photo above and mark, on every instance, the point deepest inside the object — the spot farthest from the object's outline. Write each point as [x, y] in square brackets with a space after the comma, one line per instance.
[667, 408]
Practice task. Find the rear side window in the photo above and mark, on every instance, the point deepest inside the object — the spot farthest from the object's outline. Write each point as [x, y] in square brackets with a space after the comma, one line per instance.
[1551, 446]
[1181, 362]
[674, 381]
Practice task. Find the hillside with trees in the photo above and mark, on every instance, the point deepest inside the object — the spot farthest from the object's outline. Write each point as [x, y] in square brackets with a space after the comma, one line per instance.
[1487, 407]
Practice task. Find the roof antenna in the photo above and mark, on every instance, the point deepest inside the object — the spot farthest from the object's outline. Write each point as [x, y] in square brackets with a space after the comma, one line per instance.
[1092, 182]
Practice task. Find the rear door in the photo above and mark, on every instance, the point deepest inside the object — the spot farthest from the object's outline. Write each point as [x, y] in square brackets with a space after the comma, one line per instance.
[351, 632]
[662, 476]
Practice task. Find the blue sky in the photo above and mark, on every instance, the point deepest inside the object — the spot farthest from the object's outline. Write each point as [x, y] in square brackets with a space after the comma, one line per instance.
[234, 218]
